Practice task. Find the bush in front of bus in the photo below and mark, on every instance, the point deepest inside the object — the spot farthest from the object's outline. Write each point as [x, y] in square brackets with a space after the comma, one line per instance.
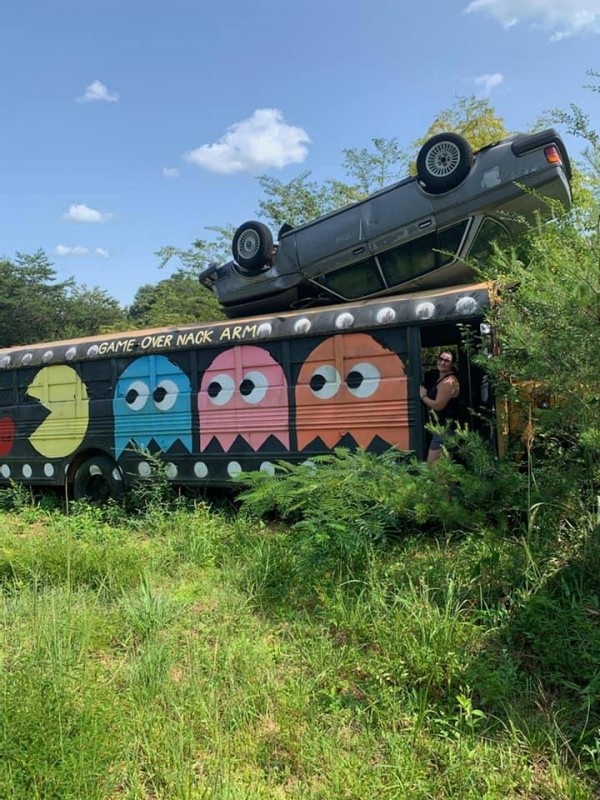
[341, 507]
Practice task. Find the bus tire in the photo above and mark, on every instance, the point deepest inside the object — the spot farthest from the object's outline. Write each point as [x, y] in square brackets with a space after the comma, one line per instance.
[98, 480]
[444, 162]
[252, 248]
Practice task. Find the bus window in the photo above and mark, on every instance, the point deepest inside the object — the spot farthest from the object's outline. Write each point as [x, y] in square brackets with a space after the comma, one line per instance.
[7, 391]
[97, 377]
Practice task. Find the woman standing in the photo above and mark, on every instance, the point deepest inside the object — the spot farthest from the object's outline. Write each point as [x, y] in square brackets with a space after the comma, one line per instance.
[442, 398]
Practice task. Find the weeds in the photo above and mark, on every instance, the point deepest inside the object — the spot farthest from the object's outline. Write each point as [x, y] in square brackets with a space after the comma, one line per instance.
[402, 652]
[147, 610]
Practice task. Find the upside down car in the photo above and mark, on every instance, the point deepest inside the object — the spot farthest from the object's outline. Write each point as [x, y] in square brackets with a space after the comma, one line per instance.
[424, 232]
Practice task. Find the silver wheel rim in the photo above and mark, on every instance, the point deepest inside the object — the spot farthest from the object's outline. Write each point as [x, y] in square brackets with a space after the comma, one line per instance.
[442, 159]
[248, 244]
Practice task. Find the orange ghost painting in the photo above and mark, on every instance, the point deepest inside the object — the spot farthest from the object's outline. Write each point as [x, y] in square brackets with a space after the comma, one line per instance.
[351, 384]
[244, 393]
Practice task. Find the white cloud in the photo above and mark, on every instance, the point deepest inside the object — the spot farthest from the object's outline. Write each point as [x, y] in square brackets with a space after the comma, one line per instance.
[98, 91]
[489, 81]
[170, 172]
[79, 212]
[561, 18]
[76, 250]
[261, 141]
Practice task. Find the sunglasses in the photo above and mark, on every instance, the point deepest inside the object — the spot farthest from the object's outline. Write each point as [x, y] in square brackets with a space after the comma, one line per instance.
[446, 360]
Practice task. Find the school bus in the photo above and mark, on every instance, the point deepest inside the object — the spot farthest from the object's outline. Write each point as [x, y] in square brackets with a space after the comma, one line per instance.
[215, 400]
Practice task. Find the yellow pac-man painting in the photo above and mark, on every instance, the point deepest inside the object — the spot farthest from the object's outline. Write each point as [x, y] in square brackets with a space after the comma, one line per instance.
[62, 393]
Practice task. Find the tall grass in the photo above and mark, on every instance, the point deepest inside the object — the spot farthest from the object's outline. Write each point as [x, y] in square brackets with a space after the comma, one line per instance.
[184, 652]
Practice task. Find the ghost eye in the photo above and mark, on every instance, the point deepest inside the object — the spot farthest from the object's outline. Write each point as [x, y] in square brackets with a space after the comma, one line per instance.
[165, 395]
[325, 382]
[137, 395]
[220, 389]
[363, 380]
[254, 387]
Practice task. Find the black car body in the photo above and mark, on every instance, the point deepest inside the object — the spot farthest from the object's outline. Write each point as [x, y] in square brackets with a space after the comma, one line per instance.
[423, 232]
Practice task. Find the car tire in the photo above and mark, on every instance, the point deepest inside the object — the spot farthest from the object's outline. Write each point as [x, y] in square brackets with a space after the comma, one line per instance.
[444, 162]
[252, 248]
[98, 480]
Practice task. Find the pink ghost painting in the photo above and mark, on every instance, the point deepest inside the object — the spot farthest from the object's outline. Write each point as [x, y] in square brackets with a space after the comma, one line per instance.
[244, 393]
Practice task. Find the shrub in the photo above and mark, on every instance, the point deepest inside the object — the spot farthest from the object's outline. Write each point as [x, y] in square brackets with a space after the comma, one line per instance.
[343, 506]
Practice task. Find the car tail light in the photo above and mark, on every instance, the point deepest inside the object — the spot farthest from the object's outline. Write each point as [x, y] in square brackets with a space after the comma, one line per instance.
[552, 154]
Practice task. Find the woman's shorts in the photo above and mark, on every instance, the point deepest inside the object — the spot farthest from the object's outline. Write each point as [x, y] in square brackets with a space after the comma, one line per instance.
[437, 440]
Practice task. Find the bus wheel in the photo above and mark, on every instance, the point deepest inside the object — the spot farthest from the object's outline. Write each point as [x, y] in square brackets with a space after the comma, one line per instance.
[252, 247]
[444, 162]
[98, 480]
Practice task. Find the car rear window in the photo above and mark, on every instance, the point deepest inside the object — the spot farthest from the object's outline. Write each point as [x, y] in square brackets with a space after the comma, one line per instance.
[489, 233]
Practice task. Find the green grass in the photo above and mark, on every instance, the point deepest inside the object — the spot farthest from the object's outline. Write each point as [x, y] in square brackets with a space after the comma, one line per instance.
[191, 653]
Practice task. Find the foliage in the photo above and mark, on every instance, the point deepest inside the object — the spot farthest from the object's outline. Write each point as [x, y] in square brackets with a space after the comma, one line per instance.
[547, 322]
[35, 307]
[89, 311]
[373, 169]
[31, 300]
[175, 300]
[577, 123]
[548, 328]
[301, 199]
[447, 666]
[15, 497]
[340, 505]
[180, 297]
[201, 253]
[395, 632]
[472, 117]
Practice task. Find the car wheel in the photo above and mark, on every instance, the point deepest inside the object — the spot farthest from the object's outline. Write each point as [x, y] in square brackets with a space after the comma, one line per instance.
[444, 162]
[98, 480]
[252, 247]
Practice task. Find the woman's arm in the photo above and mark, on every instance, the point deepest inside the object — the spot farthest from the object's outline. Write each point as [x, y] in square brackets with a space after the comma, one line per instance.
[447, 389]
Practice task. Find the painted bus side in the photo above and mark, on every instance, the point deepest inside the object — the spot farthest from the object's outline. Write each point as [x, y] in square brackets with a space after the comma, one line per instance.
[218, 399]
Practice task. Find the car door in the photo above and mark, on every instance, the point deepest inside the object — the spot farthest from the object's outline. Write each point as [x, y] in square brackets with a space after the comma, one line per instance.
[396, 215]
[331, 242]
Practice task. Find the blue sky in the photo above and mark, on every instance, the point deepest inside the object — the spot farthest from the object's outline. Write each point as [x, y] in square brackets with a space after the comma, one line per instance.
[131, 125]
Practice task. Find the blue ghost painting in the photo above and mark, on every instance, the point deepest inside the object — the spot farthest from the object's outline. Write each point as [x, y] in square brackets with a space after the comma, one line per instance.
[152, 401]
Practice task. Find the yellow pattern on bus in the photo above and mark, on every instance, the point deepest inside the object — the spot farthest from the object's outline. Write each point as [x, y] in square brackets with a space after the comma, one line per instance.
[62, 393]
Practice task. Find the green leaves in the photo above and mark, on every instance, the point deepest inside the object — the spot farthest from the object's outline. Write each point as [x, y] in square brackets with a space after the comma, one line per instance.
[34, 307]
[301, 199]
[175, 300]
[342, 506]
